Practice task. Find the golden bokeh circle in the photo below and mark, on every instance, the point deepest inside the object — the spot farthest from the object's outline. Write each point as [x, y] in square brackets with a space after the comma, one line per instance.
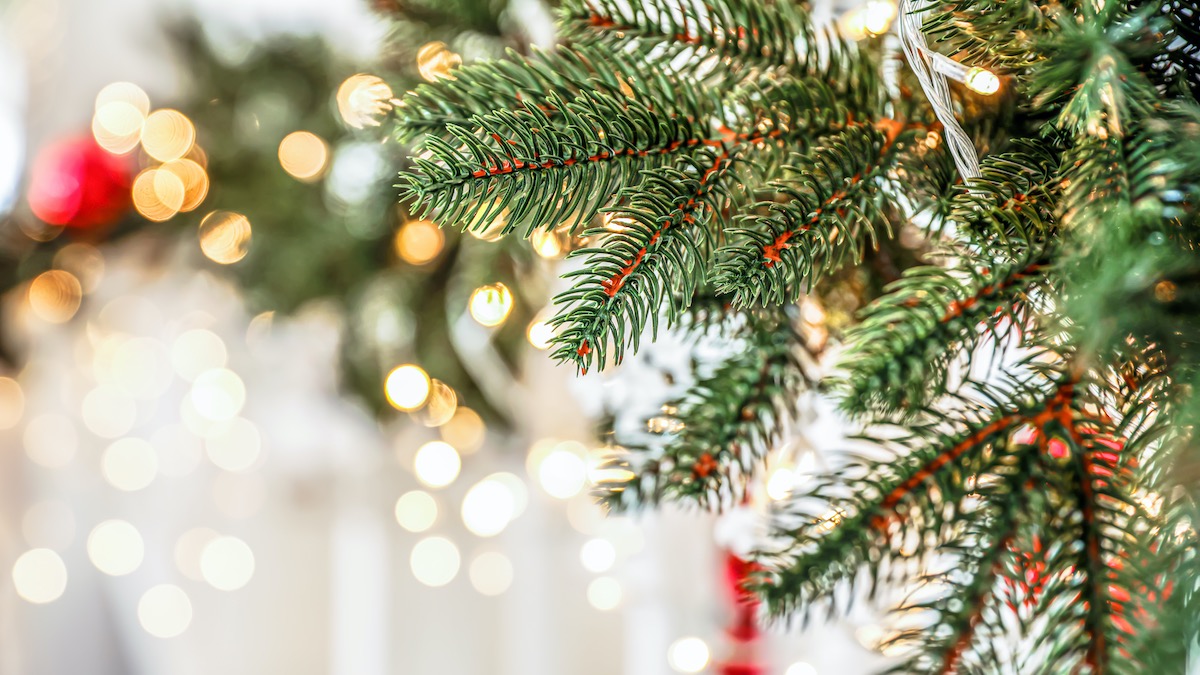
[225, 237]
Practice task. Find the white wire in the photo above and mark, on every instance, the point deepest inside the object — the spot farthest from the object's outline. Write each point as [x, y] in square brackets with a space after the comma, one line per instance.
[936, 89]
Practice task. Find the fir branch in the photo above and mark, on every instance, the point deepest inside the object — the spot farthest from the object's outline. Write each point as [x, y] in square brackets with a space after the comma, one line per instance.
[968, 29]
[830, 212]
[532, 174]
[724, 425]
[1015, 198]
[740, 31]
[900, 352]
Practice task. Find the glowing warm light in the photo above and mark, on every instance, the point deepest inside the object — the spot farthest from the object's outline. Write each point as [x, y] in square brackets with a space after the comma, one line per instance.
[12, 403]
[419, 242]
[197, 351]
[167, 135]
[304, 155]
[235, 447]
[108, 412]
[54, 296]
[437, 464]
[801, 668]
[488, 508]
[188, 549]
[121, 109]
[39, 576]
[218, 394]
[540, 333]
[194, 179]
[158, 194]
[441, 405]
[129, 464]
[779, 484]
[493, 230]
[598, 555]
[435, 561]
[547, 243]
[165, 611]
[115, 547]
[604, 593]
[982, 81]
[563, 472]
[491, 304]
[416, 511]
[227, 563]
[516, 488]
[435, 61]
[465, 430]
[363, 100]
[225, 237]
[407, 387]
[491, 573]
[50, 440]
[49, 524]
[688, 655]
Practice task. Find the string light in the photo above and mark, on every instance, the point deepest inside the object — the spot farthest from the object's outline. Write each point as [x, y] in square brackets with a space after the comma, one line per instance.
[167, 135]
[977, 79]
[437, 464]
[870, 20]
[435, 561]
[39, 576]
[549, 244]
[491, 304]
[604, 593]
[225, 237]
[165, 611]
[407, 387]
[688, 655]
[54, 296]
[419, 242]
[363, 99]
[435, 61]
[304, 156]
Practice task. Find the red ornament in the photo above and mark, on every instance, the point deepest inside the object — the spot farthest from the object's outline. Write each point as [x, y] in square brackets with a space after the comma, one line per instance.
[76, 183]
[743, 630]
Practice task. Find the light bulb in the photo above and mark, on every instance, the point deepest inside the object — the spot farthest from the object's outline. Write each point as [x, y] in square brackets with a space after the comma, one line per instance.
[982, 81]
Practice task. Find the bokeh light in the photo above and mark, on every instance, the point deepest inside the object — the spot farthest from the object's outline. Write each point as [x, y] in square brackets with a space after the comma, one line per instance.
[167, 135]
[84, 261]
[225, 237]
[437, 464]
[688, 655]
[165, 611]
[129, 464]
[158, 194]
[121, 109]
[540, 333]
[416, 511]
[54, 296]
[188, 549]
[604, 593]
[801, 668]
[441, 405]
[12, 403]
[227, 563]
[407, 387]
[192, 177]
[491, 573]
[115, 547]
[491, 304]
[40, 576]
[218, 394]
[598, 555]
[419, 242]
[488, 508]
[435, 61]
[982, 81]
[108, 411]
[465, 430]
[435, 561]
[304, 156]
[562, 472]
[363, 100]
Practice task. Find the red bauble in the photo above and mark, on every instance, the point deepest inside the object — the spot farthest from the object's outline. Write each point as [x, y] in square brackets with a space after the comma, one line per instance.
[76, 183]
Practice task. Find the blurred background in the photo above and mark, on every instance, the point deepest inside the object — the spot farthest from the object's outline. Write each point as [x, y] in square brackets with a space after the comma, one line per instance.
[256, 419]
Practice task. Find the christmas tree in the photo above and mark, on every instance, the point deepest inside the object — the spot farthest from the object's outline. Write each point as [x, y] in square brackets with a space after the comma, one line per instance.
[1014, 184]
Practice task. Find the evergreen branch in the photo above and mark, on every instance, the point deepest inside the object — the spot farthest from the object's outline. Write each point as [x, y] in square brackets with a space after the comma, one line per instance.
[900, 352]
[659, 250]
[532, 174]
[724, 426]
[1015, 198]
[968, 29]
[487, 86]
[742, 31]
[829, 213]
